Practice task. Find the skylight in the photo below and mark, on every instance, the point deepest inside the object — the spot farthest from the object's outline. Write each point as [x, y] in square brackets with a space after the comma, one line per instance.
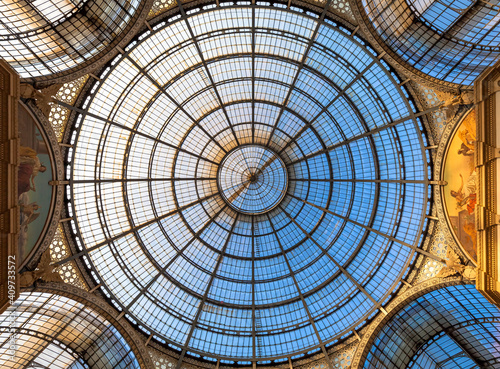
[189, 249]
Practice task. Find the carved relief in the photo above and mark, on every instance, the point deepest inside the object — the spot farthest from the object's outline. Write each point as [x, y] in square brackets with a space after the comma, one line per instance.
[454, 266]
[45, 270]
[42, 97]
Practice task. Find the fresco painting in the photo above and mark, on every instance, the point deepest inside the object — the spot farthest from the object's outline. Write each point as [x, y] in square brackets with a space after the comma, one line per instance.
[461, 177]
[34, 191]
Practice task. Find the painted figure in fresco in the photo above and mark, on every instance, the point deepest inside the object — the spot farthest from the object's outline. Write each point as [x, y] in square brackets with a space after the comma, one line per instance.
[467, 138]
[454, 265]
[465, 150]
[468, 199]
[29, 167]
[29, 211]
[470, 229]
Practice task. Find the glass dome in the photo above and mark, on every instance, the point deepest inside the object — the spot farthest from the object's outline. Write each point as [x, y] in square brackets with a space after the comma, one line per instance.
[252, 179]
[248, 182]
[57, 332]
[45, 37]
[453, 41]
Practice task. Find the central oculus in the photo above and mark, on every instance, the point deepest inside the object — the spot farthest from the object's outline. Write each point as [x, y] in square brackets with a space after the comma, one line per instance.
[252, 179]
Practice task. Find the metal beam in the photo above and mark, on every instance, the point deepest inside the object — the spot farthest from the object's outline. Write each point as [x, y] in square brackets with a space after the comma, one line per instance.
[162, 89]
[127, 180]
[304, 303]
[391, 238]
[341, 268]
[133, 229]
[365, 134]
[325, 108]
[205, 295]
[254, 333]
[354, 180]
[177, 254]
[253, 71]
[449, 331]
[132, 130]
[301, 65]
[209, 75]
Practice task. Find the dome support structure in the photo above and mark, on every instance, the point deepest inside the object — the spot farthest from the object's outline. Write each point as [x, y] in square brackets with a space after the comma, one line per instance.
[252, 96]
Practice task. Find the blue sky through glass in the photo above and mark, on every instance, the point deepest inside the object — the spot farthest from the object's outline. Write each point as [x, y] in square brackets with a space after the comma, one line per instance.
[197, 272]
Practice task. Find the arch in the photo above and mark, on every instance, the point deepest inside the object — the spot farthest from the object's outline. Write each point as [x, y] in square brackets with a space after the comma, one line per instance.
[417, 316]
[64, 324]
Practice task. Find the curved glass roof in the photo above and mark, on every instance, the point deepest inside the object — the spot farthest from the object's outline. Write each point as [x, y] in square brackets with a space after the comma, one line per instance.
[452, 327]
[52, 331]
[453, 41]
[252, 179]
[43, 37]
[248, 275]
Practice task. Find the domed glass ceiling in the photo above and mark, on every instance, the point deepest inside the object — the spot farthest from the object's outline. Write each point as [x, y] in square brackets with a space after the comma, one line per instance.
[43, 37]
[248, 182]
[451, 40]
[252, 179]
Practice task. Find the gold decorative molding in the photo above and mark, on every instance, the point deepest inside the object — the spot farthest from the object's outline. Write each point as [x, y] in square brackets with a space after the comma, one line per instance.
[9, 209]
[43, 98]
[487, 155]
[45, 271]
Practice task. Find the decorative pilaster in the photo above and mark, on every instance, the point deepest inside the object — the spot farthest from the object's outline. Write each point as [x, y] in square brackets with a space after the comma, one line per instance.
[487, 156]
[9, 209]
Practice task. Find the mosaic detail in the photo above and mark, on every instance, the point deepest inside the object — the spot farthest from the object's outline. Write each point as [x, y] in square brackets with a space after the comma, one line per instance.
[311, 362]
[319, 365]
[159, 6]
[343, 8]
[58, 251]
[431, 99]
[430, 267]
[340, 359]
[161, 362]
[59, 115]
[344, 358]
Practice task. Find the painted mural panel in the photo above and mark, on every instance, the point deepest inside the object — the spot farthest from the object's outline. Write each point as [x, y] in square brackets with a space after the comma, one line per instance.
[34, 191]
[460, 192]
